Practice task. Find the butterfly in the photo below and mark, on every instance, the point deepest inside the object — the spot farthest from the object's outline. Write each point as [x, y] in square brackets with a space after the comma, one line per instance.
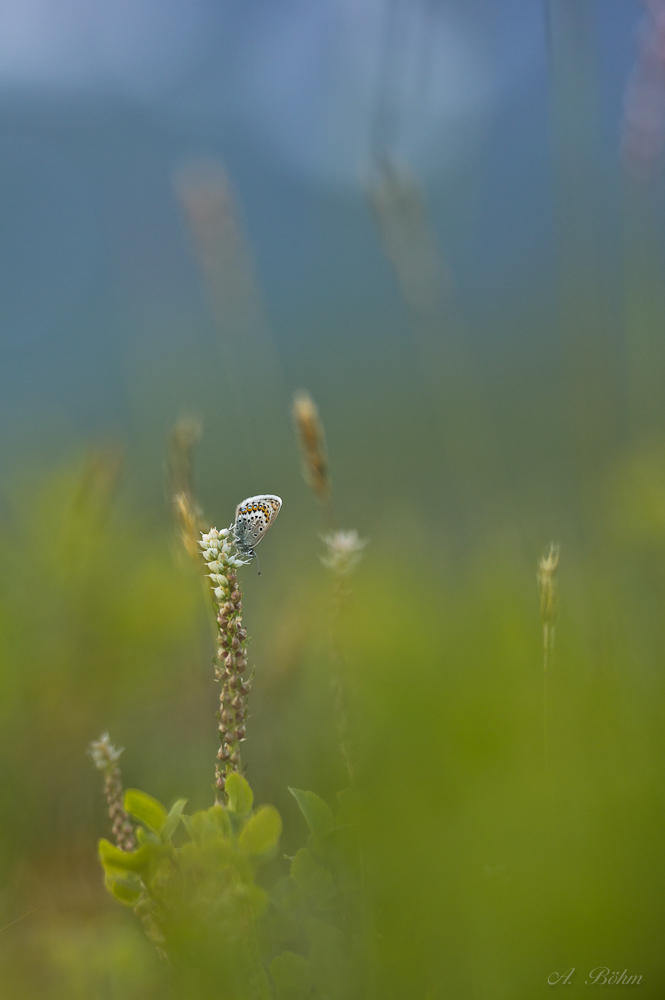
[253, 518]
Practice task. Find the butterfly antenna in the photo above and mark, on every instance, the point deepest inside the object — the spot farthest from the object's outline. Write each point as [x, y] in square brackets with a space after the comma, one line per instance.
[257, 563]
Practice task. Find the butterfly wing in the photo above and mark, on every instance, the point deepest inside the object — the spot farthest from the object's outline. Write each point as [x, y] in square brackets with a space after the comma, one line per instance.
[253, 518]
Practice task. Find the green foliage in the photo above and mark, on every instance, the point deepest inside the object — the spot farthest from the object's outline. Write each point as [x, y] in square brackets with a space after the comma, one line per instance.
[261, 832]
[201, 905]
[311, 877]
[172, 820]
[95, 614]
[199, 900]
[318, 814]
[147, 810]
[321, 905]
[482, 871]
[239, 795]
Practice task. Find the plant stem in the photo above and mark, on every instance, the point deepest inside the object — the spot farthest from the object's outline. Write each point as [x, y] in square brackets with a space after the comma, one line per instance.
[231, 656]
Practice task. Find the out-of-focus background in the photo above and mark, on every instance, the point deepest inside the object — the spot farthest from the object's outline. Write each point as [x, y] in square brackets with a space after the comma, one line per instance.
[444, 220]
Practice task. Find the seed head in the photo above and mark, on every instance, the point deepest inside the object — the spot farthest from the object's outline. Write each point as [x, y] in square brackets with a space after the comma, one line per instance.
[312, 443]
[547, 585]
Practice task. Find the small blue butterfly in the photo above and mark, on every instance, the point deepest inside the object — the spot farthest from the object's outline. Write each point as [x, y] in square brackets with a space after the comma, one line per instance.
[253, 518]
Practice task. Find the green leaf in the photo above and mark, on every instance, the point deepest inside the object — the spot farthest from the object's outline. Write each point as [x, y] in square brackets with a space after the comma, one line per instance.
[292, 976]
[261, 831]
[147, 810]
[208, 824]
[115, 861]
[144, 836]
[317, 845]
[318, 814]
[173, 819]
[239, 795]
[312, 878]
[126, 891]
[219, 820]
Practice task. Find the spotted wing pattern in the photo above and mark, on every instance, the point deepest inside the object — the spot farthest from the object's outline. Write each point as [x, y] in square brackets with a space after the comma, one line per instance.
[253, 518]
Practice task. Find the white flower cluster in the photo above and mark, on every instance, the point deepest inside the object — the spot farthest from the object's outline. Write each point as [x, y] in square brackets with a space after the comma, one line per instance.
[220, 554]
[344, 551]
[103, 753]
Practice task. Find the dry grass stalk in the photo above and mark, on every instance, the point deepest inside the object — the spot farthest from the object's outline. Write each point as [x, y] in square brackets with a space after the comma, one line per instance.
[312, 444]
[549, 598]
[184, 436]
[549, 608]
[343, 552]
[408, 240]
[206, 196]
[643, 134]
[251, 372]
